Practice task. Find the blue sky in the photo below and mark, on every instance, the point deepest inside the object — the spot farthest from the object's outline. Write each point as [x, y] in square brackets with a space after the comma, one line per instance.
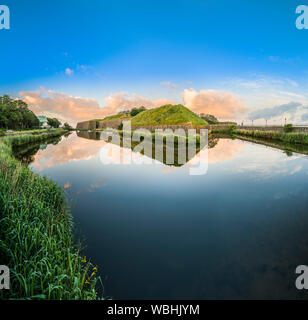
[117, 53]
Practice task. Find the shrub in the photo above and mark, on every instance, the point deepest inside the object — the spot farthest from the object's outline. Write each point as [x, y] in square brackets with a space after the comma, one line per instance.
[288, 128]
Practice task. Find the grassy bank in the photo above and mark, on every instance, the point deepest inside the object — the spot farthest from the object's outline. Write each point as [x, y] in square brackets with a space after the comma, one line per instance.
[166, 115]
[36, 240]
[288, 137]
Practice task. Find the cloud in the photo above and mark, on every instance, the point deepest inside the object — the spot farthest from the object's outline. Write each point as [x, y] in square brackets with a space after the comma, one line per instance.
[69, 71]
[269, 113]
[292, 94]
[169, 84]
[72, 109]
[121, 101]
[218, 103]
[62, 106]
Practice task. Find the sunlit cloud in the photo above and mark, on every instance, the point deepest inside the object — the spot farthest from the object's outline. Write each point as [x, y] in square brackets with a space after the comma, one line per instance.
[223, 105]
[62, 106]
[122, 101]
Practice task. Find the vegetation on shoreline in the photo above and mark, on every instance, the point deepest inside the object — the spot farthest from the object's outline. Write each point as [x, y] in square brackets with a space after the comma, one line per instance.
[15, 114]
[289, 137]
[168, 114]
[36, 239]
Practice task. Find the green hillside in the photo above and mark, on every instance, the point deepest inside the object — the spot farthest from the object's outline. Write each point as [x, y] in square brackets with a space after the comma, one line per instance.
[168, 114]
[113, 117]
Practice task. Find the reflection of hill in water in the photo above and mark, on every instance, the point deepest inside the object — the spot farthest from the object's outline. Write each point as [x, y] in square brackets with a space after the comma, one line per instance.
[152, 150]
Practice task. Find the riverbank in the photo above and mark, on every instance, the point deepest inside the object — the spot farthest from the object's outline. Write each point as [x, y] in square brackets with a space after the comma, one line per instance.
[288, 137]
[36, 240]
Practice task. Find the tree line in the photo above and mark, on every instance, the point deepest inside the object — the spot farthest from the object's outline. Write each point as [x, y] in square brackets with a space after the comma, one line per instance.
[16, 115]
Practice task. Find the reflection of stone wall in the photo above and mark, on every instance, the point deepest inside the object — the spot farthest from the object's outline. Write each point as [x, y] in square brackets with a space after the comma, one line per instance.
[93, 135]
[272, 128]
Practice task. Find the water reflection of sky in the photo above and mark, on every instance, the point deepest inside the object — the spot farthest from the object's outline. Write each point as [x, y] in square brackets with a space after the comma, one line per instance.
[237, 232]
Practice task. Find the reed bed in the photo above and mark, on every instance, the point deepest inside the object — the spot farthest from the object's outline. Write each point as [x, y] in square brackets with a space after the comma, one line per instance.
[289, 137]
[36, 240]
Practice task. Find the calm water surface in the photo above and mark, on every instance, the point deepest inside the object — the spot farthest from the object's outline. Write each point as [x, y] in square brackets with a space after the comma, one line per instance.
[157, 232]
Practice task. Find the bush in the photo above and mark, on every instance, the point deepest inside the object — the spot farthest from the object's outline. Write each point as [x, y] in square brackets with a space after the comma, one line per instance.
[288, 128]
[120, 127]
[135, 111]
[2, 132]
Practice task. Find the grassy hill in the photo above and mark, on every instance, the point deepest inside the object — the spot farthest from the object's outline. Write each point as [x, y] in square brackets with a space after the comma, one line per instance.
[168, 114]
[113, 117]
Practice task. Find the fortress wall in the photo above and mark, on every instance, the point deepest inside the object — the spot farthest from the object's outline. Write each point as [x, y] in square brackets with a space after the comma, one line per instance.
[87, 125]
[110, 124]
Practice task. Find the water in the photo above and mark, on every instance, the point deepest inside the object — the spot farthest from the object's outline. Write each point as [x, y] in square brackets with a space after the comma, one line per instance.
[157, 232]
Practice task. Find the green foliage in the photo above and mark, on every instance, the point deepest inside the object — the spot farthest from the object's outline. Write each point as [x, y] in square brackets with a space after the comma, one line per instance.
[168, 114]
[120, 127]
[53, 122]
[66, 126]
[36, 234]
[290, 137]
[135, 111]
[288, 128]
[2, 132]
[14, 114]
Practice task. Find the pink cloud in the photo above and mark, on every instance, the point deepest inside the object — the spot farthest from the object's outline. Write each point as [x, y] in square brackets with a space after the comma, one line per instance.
[223, 105]
[63, 106]
[72, 109]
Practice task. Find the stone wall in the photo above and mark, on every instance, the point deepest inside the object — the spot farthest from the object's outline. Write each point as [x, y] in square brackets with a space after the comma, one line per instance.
[110, 123]
[216, 128]
[91, 125]
[86, 125]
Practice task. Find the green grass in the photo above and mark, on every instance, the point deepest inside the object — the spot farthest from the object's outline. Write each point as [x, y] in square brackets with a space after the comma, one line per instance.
[167, 115]
[289, 137]
[117, 116]
[31, 131]
[36, 240]
[113, 117]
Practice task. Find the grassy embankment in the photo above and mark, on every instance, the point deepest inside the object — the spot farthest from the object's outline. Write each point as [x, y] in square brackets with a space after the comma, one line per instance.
[167, 115]
[288, 137]
[36, 240]
[113, 117]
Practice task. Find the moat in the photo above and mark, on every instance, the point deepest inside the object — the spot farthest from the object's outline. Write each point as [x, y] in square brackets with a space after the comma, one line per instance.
[156, 232]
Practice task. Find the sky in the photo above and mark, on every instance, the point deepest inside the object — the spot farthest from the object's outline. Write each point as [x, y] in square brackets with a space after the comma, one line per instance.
[79, 60]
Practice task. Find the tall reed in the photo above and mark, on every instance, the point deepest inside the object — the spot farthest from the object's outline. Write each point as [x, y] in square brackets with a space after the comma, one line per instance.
[36, 240]
[290, 137]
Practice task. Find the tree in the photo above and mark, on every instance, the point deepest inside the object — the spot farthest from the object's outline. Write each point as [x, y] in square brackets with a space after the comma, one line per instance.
[66, 126]
[135, 111]
[15, 114]
[53, 122]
